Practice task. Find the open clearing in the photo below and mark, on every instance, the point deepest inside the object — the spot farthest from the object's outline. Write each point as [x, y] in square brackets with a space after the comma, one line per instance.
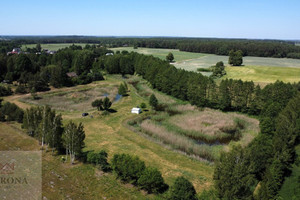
[109, 132]
[52, 47]
[162, 53]
[257, 69]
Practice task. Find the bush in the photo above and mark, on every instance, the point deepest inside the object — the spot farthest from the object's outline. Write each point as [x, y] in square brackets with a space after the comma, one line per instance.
[5, 91]
[182, 190]
[143, 105]
[12, 112]
[21, 89]
[99, 159]
[152, 181]
[128, 168]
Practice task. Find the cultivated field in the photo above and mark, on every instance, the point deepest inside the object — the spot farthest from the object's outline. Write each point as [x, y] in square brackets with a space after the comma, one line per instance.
[258, 69]
[263, 74]
[52, 47]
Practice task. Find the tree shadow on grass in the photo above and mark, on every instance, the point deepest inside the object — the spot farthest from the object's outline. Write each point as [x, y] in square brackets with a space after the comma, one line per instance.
[112, 110]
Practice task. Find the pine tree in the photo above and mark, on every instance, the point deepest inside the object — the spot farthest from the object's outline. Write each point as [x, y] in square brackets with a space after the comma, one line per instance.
[106, 103]
[122, 90]
[182, 190]
[153, 101]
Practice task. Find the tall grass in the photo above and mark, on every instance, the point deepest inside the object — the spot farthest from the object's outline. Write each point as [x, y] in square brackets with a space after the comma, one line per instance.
[178, 142]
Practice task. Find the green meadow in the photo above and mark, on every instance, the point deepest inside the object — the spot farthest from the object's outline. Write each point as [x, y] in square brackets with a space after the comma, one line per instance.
[258, 69]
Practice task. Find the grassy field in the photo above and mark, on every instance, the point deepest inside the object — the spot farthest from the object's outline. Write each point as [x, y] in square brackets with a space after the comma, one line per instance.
[263, 74]
[257, 69]
[110, 132]
[52, 47]
[162, 53]
[66, 181]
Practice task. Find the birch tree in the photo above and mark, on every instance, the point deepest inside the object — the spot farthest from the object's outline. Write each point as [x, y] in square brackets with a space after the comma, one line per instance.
[73, 140]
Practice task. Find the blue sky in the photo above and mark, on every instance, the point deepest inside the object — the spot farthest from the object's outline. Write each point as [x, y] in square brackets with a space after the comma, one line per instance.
[261, 19]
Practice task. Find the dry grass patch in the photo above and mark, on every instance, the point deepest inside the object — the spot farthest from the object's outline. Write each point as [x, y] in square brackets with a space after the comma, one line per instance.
[74, 100]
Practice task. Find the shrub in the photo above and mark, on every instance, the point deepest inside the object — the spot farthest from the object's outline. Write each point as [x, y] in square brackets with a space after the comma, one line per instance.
[99, 159]
[128, 168]
[143, 105]
[12, 112]
[182, 190]
[21, 89]
[152, 181]
[5, 91]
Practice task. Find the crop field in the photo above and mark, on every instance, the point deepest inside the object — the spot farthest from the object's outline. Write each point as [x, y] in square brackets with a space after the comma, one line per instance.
[52, 47]
[111, 133]
[263, 74]
[258, 69]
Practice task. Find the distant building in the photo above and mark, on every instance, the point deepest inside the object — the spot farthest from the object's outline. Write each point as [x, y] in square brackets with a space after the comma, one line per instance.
[109, 54]
[15, 51]
[72, 74]
[136, 110]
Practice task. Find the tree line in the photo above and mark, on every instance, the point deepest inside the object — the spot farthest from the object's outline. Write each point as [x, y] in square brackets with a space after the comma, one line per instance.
[39, 71]
[261, 48]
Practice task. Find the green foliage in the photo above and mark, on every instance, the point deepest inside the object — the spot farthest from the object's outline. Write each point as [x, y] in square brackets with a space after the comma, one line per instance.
[98, 103]
[235, 58]
[151, 181]
[203, 69]
[21, 89]
[5, 91]
[106, 103]
[122, 90]
[218, 70]
[44, 124]
[128, 168]
[232, 177]
[182, 190]
[73, 139]
[170, 57]
[33, 94]
[99, 159]
[38, 47]
[11, 112]
[153, 102]
[143, 105]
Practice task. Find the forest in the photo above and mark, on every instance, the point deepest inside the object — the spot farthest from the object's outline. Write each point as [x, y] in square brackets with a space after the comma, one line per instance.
[263, 164]
[218, 46]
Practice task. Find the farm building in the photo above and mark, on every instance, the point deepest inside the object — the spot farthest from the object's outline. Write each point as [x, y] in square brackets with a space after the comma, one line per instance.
[136, 110]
